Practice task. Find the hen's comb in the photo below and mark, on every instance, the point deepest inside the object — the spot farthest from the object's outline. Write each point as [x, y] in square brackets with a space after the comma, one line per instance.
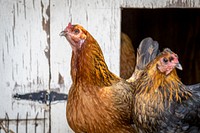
[69, 26]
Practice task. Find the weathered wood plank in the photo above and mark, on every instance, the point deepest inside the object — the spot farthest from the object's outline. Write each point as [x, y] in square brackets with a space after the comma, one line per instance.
[160, 3]
[24, 65]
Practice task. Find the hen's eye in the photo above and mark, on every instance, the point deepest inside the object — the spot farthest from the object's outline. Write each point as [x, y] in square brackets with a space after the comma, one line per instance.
[165, 60]
[76, 31]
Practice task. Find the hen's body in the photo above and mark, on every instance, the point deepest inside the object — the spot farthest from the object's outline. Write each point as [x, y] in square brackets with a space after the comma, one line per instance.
[162, 102]
[98, 101]
[100, 112]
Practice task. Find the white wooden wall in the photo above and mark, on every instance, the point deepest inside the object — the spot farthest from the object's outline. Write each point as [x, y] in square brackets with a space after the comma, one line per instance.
[24, 66]
[30, 28]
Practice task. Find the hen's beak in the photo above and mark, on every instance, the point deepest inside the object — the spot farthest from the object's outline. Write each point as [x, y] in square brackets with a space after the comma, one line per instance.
[178, 66]
[62, 33]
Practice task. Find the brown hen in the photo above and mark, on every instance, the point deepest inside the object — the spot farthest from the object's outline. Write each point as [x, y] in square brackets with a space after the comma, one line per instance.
[98, 100]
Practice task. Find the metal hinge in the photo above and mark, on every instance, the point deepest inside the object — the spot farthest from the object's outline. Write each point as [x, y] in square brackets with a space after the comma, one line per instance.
[42, 96]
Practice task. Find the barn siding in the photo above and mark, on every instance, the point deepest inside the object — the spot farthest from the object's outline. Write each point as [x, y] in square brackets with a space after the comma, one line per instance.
[24, 64]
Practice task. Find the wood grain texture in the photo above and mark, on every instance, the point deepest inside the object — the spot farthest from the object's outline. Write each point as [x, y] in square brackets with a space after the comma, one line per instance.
[24, 65]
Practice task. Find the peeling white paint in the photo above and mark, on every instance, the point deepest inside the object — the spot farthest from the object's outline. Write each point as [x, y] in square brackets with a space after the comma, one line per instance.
[160, 3]
[45, 3]
[24, 68]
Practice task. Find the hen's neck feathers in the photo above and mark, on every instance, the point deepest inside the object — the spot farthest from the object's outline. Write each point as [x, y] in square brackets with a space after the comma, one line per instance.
[154, 82]
[88, 65]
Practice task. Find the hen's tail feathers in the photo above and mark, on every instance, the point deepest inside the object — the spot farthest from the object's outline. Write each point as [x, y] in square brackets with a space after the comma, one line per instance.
[147, 51]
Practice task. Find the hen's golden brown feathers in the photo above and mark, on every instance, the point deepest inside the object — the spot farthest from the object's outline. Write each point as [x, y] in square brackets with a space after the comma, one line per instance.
[162, 102]
[160, 79]
[98, 100]
[127, 57]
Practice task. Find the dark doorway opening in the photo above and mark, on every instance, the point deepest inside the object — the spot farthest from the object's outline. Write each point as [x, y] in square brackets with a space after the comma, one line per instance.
[175, 28]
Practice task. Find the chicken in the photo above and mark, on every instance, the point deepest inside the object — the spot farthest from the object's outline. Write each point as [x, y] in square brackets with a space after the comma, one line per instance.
[98, 100]
[127, 57]
[162, 102]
